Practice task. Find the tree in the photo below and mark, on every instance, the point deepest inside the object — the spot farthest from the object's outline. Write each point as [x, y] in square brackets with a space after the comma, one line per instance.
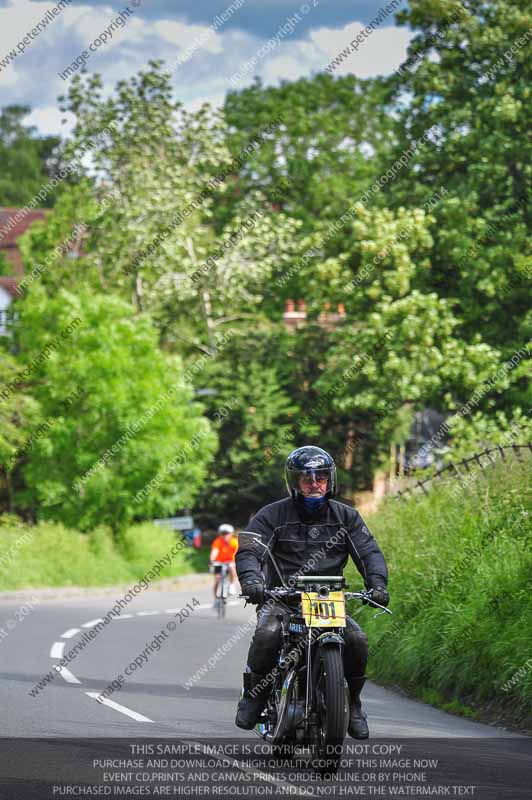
[19, 417]
[468, 76]
[250, 402]
[126, 435]
[400, 344]
[166, 170]
[334, 135]
[28, 161]
[405, 351]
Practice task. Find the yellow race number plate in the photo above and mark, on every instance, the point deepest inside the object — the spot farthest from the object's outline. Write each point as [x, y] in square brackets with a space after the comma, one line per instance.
[320, 612]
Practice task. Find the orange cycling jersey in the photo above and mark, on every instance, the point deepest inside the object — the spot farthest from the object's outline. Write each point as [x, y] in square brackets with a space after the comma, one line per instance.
[224, 551]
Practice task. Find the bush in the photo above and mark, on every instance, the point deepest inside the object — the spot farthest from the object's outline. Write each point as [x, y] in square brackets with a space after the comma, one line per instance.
[48, 555]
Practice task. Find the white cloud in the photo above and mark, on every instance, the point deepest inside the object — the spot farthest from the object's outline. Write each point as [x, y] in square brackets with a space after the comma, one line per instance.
[33, 77]
[185, 36]
[379, 54]
[289, 66]
[49, 119]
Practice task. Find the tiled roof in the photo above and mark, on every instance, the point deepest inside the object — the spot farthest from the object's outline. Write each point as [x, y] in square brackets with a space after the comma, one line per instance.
[16, 229]
[11, 231]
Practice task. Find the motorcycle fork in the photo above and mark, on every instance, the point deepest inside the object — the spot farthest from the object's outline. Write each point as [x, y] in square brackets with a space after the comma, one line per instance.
[312, 666]
[308, 691]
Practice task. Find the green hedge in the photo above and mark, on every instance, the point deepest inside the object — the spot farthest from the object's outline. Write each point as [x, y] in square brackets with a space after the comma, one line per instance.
[460, 564]
[48, 555]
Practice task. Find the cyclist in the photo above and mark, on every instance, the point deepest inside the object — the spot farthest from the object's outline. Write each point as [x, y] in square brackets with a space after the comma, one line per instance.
[223, 550]
[308, 533]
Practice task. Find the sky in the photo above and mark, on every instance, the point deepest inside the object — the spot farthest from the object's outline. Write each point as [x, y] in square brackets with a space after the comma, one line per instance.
[210, 46]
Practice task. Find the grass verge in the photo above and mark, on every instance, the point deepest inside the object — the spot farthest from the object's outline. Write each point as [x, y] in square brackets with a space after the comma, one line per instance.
[50, 555]
[460, 580]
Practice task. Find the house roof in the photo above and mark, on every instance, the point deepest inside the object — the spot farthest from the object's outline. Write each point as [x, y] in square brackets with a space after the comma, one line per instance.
[11, 230]
[17, 228]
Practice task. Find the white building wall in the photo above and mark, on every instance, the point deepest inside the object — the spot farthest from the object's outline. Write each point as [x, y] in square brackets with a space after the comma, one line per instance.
[5, 302]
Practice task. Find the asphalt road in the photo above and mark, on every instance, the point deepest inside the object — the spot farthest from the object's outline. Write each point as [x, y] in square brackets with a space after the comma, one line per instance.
[156, 690]
[185, 691]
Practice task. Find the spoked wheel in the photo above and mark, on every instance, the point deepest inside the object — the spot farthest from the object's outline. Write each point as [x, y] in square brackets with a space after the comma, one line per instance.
[220, 600]
[331, 701]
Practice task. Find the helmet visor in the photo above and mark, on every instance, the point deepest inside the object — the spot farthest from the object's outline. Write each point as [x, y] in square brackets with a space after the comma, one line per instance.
[299, 479]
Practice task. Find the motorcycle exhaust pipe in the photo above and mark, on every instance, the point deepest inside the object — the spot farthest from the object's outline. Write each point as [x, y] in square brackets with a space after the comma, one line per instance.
[290, 660]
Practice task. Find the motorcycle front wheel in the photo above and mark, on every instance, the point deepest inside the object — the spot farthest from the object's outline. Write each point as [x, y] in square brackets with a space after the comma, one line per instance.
[332, 710]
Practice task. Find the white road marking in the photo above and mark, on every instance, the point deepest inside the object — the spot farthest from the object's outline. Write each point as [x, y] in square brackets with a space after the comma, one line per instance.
[70, 633]
[67, 675]
[92, 623]
[117, 707]
[57, 650]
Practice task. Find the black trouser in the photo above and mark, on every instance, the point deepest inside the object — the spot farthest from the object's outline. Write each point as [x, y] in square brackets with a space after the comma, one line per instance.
[266, 642]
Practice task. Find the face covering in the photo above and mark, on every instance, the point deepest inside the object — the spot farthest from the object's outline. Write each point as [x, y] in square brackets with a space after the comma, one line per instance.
[313, 504]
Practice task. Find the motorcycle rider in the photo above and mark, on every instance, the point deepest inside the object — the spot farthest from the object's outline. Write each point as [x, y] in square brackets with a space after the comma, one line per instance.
[308, 533]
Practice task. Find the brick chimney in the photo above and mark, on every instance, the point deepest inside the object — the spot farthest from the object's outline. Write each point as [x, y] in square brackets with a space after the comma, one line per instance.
[294, 319]
[330, 319]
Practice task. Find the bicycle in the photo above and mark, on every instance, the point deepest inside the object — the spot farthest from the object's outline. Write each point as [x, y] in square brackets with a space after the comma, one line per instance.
[221, 568]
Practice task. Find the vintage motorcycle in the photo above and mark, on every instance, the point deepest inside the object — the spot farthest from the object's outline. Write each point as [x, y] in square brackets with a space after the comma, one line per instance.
[309, 699]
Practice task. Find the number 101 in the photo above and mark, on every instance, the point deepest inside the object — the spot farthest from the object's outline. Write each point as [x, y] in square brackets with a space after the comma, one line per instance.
[324, 609]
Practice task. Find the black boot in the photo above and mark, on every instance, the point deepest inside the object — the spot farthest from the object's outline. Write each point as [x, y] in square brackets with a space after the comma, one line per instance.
[358, 727]
[254, 699]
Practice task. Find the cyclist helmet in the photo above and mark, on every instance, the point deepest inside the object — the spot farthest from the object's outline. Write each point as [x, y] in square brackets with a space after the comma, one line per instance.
[225, 528]
[309, 461]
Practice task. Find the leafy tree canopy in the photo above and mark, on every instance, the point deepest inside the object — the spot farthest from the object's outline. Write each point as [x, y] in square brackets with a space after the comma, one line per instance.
[28, 160]
[123, 414]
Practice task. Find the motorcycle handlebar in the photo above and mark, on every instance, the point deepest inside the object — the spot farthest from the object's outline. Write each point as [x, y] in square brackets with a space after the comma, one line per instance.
[293, 593]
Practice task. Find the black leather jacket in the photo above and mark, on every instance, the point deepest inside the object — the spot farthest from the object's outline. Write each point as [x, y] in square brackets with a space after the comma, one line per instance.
[309, 546]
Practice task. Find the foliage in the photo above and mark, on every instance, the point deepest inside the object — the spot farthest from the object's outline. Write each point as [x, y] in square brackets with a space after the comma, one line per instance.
[20, 413]
[481, 431]
[54, 249]
[199, 222]
[329, 126]
[459, 571]
[460, 81]
[168, 169]
[49, 554]
[252, 384]
[106, 384]
[397, 344]
[28, 161]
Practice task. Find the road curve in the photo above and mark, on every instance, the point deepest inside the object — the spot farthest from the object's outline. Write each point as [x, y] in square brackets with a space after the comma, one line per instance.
[186, 686]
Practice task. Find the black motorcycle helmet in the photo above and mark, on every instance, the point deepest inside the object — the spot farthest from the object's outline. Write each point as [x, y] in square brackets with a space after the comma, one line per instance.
[309, 460]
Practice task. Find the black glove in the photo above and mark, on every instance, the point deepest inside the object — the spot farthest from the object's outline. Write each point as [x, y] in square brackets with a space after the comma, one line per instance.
[254, 592]
[380, 595]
